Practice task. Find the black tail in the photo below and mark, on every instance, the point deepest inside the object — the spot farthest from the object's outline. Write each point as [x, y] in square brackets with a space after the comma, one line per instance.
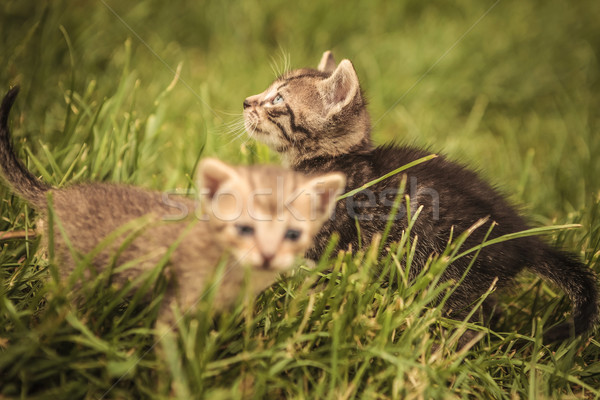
[20, 179]
[579, 283]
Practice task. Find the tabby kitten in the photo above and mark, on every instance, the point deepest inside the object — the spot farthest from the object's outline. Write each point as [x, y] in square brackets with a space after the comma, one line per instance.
[258, 217]
[318, 122]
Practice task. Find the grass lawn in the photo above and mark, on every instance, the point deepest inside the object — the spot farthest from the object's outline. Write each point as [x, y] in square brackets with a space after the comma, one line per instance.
[511, 88]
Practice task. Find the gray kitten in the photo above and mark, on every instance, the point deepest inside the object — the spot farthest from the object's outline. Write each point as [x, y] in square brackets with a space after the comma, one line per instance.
[257, 217]
[317, 120]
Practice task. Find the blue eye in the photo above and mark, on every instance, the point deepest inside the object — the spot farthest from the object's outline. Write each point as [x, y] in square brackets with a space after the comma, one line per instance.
[278, 99]
[293, 235]
[244, 230]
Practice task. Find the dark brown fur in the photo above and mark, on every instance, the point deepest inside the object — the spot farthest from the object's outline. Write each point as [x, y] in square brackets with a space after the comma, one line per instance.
[453, 198]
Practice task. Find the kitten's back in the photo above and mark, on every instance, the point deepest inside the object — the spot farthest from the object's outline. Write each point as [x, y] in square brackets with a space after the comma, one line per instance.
[254, 217]
[335, 136]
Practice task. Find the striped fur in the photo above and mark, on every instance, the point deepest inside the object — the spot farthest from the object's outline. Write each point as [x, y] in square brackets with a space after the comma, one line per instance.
[321, 113]
[321, 124]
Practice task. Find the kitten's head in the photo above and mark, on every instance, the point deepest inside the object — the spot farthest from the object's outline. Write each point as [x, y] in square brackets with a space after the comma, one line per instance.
[266, 216]
[308, 113]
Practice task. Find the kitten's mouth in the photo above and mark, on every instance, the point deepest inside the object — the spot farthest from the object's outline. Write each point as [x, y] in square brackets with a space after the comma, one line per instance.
[254, 129]
[251, 123]
[266, 265]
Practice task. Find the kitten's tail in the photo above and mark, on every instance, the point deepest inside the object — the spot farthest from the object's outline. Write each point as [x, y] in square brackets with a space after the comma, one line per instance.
[579, 283]
[20, 179]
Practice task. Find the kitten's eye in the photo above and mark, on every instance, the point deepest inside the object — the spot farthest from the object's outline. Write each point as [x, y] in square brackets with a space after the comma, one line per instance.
[278, 99]
[244, 230]
[293, 235]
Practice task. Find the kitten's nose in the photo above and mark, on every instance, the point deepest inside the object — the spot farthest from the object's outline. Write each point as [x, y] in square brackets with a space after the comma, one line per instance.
[246, 104]
[267, 260]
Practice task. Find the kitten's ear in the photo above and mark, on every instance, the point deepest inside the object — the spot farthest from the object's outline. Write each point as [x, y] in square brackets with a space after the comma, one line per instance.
[325, 189]
[212, 174]
[340, 88]
[327, 63]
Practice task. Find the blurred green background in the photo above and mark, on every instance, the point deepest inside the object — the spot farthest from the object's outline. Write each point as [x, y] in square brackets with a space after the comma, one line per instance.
[509, 87]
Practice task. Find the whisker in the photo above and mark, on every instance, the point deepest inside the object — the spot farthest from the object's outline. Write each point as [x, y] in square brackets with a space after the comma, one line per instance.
[235, 114]
[273, 65]
[229, 130]
[287, 62]
[234, 124]
[235, 128]
[284, 60]
[232, 133]
[237, 119]
[237, 137]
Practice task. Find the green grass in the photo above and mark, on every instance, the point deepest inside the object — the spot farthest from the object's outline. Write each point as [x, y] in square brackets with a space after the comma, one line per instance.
[511, 88]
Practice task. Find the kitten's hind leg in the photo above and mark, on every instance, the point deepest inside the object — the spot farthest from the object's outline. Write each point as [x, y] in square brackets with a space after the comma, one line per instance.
[491, 311]
[460, 305]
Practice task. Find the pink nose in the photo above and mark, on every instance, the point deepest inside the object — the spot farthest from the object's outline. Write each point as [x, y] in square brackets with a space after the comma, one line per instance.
[267, 261]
